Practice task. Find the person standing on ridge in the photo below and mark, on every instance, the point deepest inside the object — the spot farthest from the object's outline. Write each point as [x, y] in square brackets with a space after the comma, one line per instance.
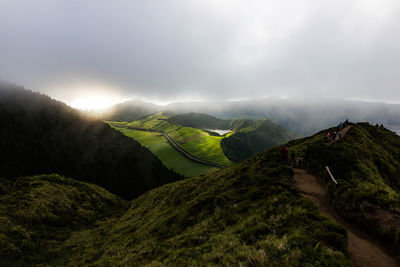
[284, 153]
[293, 158]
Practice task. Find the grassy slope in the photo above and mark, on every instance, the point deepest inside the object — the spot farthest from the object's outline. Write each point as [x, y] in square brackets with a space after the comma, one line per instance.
[199, 120]
[37, 215]
[171, 158]
[252, 137]
[195, 141]
[367, 166]
[248, 214]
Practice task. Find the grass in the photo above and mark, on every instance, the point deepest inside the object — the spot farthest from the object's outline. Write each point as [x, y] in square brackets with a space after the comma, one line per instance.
[167, 154]
[37, 215]
[366, 164]
[195, 141]
[245, 215]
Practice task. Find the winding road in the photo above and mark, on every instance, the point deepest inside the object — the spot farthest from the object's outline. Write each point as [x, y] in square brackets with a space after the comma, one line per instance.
[189, 156]
[175, 145]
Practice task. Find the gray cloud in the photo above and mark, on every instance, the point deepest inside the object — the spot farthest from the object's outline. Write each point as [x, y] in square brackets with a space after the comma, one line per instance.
[171, 50]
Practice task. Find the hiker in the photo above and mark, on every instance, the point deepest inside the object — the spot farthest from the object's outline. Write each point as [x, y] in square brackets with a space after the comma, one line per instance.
[329, 136]
[346, 122]
[340, 134]
[341, 125]
[293, 158]
[284, 153]
[334, 136]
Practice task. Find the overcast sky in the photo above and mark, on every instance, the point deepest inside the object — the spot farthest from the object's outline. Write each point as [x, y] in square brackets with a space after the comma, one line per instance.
[207, 49]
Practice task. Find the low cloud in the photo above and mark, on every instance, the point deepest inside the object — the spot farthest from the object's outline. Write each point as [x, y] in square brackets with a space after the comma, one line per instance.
[176, 50]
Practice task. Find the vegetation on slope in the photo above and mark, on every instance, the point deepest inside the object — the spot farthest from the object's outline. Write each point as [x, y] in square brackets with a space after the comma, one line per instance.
[200, 121]
[38, 214]
[247, 215]
[249, 137]
[41, 135]
[195, 141]
[252, 137]
[366, 164]
[168, 155]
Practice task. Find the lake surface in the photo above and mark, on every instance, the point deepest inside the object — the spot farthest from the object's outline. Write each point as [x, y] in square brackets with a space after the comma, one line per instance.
[219, 131]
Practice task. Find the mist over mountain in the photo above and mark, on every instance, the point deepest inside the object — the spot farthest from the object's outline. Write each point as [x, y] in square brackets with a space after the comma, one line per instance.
[301, 116]
[127, 111]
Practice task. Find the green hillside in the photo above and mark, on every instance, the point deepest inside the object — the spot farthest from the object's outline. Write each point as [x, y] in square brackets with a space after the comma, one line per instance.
[252, 137]
[366, 164]
[200, 121]
[249, 137]
[39, 214]
[247, 215]
[195, 141]
[41, 135]
[168, 155]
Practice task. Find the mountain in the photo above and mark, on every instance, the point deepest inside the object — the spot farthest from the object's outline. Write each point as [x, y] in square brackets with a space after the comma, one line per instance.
[366, 165]
[249, 214]
[200, 121]
[252, 137]
[303, 116]
[249, 136]
[128, 111]
[40, 135]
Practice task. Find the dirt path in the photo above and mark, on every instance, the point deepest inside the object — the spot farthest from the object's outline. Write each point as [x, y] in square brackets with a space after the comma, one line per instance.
[364, 250]
[344, 132]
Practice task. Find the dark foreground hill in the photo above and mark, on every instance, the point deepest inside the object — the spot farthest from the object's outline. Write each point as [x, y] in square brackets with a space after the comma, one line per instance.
[248, 215]
[38, 214]
[366, 165]
[249, 137]
[40, 135]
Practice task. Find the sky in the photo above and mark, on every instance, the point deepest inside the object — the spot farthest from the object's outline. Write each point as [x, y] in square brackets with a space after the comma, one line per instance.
[97, 52]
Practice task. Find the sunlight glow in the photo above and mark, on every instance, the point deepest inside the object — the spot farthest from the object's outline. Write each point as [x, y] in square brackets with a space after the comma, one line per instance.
[96, 102]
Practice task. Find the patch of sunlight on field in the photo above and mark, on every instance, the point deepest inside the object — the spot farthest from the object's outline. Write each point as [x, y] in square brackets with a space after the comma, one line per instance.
[195, 141]
[171, 158]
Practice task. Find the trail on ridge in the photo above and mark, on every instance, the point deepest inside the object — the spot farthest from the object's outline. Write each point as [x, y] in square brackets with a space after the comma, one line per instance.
[365, 251]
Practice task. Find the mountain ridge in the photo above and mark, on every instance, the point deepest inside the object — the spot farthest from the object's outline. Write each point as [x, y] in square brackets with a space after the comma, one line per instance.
[42, 135]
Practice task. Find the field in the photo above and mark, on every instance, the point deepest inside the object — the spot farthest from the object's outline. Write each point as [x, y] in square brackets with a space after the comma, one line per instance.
[195, 141]
[167, 154]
